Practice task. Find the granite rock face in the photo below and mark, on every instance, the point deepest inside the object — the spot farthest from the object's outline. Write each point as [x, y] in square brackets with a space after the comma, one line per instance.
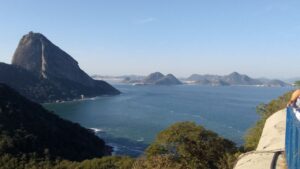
[37, 54]
[43, 72]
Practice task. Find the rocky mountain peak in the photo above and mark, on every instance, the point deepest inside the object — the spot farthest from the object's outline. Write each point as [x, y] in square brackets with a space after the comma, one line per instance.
[39, 55]
[156, 75]
[158, 78]
[169, 79]
[43, 72]
[170, 75]
[234, 74]
[153, 77]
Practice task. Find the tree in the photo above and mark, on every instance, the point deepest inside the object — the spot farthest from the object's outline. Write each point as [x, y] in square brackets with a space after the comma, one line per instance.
[297, 83]
[192, 146]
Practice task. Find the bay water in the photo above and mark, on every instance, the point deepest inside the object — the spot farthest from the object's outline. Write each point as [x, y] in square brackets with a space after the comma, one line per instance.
[130, 121]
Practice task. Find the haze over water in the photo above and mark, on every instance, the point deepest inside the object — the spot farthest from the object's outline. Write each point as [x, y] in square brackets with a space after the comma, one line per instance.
[130, 121]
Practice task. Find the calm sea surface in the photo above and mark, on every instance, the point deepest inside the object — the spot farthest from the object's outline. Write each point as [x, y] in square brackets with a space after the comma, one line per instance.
[130, 121]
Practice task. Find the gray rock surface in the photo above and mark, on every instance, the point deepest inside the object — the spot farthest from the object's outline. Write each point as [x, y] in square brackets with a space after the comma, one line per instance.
[37, 54]
[43, 72]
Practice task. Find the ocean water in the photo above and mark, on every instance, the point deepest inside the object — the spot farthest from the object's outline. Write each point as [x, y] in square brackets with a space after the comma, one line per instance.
[129, 122]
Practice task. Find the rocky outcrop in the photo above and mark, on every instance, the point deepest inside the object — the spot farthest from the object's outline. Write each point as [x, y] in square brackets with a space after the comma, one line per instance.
[47, 73]
[38, 55]
[270, 150]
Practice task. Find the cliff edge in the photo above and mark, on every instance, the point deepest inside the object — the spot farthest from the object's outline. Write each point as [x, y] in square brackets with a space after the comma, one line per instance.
[269, 152]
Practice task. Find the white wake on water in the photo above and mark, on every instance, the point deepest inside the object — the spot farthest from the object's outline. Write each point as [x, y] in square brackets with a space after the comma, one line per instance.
[97, 130]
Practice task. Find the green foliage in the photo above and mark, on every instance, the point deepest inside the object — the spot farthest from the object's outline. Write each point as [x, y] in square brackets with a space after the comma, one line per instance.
[181, 146]
[297, 83]
[112, 162]
[158, 162]
[264, 110]
[33, 138]
[192, 146]
[27, 128]
[30, 162]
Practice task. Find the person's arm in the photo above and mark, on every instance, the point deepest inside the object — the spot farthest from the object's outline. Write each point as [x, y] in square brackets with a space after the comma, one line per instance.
[294, 97]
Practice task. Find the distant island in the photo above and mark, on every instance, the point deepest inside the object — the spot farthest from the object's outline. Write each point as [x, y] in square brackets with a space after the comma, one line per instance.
[233, 79]
[155, 78]
[43, 72]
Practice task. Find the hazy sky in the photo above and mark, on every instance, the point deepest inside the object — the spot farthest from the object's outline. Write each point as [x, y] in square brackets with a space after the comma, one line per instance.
[115, 37]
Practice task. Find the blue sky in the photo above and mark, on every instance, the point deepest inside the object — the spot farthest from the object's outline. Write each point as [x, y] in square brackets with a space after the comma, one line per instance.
[260, 38]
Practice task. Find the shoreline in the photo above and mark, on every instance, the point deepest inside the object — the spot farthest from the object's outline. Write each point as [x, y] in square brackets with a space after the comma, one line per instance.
[79, 100]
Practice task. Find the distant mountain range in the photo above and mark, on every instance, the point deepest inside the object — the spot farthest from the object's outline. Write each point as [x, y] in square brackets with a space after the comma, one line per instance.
[43, 72]
[292, 80]
[232, 79]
